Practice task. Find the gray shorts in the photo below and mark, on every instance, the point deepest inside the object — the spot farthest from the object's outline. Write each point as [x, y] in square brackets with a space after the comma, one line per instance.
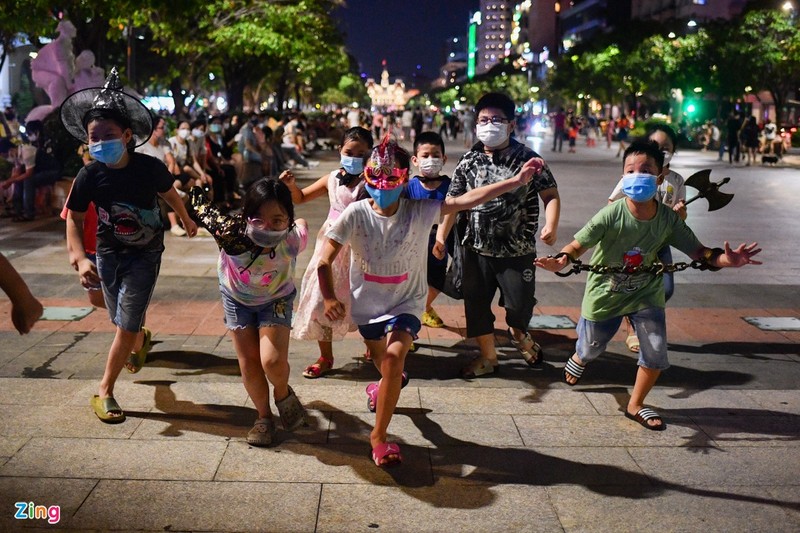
[651, 329]
[128, 283]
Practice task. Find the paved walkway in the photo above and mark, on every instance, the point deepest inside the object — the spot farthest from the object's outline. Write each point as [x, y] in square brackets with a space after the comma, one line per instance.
[521, 451]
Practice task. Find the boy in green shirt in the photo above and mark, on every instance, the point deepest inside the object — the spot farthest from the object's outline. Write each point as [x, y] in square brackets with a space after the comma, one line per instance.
[629, 233]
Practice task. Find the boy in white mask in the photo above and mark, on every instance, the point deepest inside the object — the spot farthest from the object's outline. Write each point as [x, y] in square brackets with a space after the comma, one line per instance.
[429, 157]
[672, 193]
[499, 242]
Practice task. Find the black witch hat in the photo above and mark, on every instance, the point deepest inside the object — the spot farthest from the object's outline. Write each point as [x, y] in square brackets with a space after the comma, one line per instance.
[126, 108]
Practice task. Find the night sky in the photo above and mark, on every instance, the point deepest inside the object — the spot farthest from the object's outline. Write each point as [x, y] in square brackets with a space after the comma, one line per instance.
[406, 33]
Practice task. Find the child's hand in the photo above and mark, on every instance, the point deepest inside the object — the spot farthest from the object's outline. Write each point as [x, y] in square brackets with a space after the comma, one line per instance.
[334, 309]
[439, 250]
[531, 168]
[88, 273]
[190, 226]
[287, 178]
[740, 256]
[25, 313]
[548, 235]
[551, 263]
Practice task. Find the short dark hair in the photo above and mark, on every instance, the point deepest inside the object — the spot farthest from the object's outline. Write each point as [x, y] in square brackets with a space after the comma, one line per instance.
[358, 134]
[667, 129]
[500, 101]
[428, 137]
[105, 114]
[264, 190]
[648, 148]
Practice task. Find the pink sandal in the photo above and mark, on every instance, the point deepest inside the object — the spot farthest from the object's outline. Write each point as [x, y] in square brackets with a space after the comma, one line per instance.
[372, 392]
[381, 453]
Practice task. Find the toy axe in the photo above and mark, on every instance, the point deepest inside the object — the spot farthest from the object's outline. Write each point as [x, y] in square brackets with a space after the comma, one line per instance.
[709, 190]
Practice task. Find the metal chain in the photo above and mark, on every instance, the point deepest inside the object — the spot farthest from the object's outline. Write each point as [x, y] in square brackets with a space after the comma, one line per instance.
[656, 268]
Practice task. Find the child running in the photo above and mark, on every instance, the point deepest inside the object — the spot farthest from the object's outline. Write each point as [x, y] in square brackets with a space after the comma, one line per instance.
[124, 187]
[387, 235]
[258, 251]
[627, 234]
[429, 157]
[343, 187]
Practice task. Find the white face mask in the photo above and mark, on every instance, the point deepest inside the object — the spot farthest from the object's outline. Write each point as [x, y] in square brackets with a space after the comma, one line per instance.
[492, 136]
[430, 166]
[266, 238]
[667, 157]
[183, 134]
[197, 133]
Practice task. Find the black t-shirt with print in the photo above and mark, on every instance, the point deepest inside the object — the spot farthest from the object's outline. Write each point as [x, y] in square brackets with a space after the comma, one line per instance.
[128, 216]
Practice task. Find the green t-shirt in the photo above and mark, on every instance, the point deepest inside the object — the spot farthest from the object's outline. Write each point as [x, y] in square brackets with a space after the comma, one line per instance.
[620, 239]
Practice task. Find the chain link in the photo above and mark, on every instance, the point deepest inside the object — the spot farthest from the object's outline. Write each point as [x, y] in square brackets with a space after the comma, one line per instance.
[656, 268]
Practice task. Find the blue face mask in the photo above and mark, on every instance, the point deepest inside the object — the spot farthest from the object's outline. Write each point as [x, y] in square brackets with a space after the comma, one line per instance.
[352, 165]
[108, 152]
[384, 197]
[639, 187]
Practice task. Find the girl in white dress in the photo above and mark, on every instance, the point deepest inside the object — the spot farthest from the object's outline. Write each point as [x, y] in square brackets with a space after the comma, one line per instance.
[343, 187]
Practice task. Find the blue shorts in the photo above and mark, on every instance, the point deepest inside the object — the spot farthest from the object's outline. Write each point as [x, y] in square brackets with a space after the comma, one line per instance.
[378, 330]
[651, 328]
[128, 284]
[277, 312]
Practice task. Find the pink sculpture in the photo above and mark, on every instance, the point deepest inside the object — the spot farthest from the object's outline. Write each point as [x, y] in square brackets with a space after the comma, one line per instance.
[59, 73]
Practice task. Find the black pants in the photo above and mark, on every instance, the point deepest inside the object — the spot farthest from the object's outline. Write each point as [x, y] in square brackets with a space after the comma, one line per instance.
[483, 275]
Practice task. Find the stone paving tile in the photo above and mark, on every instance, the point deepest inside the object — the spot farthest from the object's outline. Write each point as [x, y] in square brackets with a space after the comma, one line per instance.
[39, 392]
[475, 465]
[506, 401]
[320, 463]
[675, 402]
[355, 427]
[446, 506]
[752, 431]
[627, 509]
[100, 458]
[730, 465]
[10, 445]
[162, 506]
[68, 494]
[602, 431]
[777, 401]
[66, 421]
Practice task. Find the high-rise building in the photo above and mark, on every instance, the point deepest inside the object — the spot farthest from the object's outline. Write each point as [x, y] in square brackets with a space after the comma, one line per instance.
[697, 10]
[580, 20]
[493, 34]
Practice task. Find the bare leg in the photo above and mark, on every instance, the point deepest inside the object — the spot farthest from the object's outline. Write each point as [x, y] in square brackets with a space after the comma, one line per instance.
[389, 357]
[487, 348]
[432, 294]
[275, 358]
[120, 349]
[645, 380]
[245, 341]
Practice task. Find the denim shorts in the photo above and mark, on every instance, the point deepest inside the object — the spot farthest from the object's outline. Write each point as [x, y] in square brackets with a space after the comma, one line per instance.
[128, 283]
[277, 312]
[651, 328]
[403, 322]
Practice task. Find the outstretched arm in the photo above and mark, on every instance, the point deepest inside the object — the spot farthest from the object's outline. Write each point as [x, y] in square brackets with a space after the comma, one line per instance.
[552, 214]
[573, 250]
[727, 257]
[440, 246]
[299, 196]
[334, 309]
[175, 202]
[25, 308]
[453, 204]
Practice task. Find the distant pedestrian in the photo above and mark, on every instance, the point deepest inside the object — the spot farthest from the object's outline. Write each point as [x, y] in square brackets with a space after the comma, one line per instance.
[623, 127]
[559, 132]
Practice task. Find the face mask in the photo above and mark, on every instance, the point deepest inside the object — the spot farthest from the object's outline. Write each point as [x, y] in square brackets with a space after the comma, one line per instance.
[352, 165]
[667, 157]
[430, 166]
[198, 133]
[492, 136]
[215, 128]
[384, 197]
[183, 134]
[639, 187]
[264, 237]
[108, 152]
